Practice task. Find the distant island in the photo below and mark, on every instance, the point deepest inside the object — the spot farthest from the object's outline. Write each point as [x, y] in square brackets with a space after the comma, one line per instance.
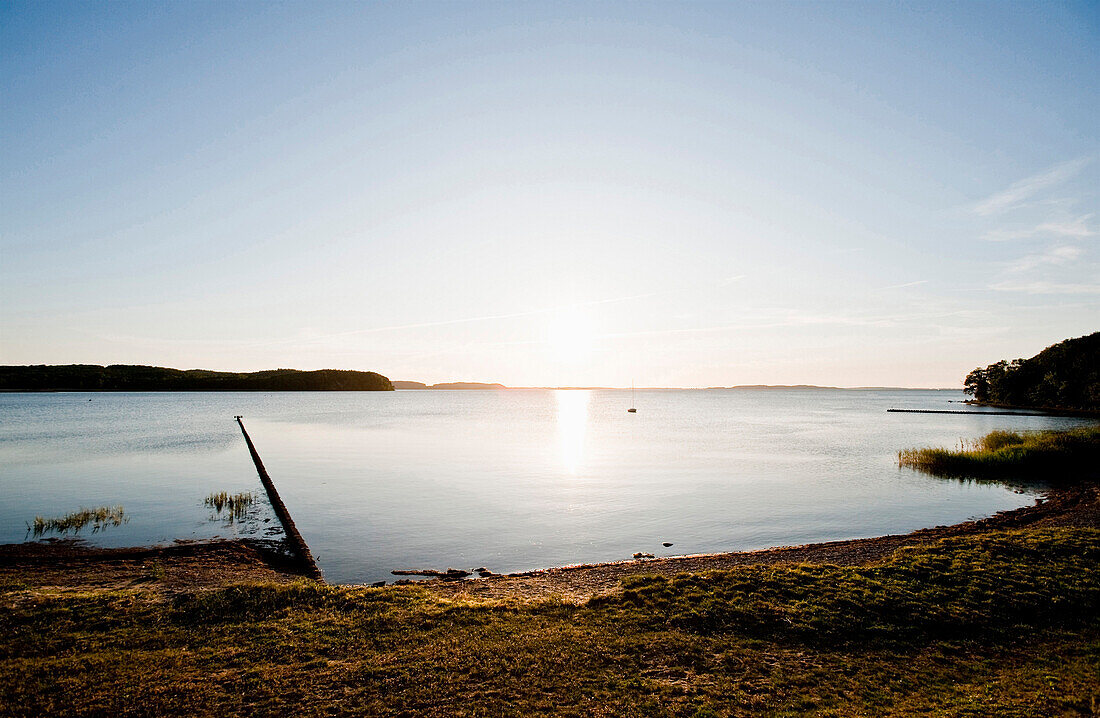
[1063, 376]
[447, 385]
[123, 377]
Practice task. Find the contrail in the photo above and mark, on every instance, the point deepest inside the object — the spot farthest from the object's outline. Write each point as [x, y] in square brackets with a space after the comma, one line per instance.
[903, 286]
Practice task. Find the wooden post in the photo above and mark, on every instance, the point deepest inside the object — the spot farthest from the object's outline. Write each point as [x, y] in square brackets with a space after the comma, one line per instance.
[294, 539]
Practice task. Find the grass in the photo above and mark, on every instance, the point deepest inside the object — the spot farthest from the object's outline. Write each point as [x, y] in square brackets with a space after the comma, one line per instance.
[235, 506]
[981, 586]
[99, 518]
[1003, 623]
[1045, 455]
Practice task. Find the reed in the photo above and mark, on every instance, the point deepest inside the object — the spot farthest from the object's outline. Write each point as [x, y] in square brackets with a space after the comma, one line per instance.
[235, 506]
[1050, 455]
[99, 518]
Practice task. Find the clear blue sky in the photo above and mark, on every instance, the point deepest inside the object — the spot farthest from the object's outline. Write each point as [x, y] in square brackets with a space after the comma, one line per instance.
[682, 194]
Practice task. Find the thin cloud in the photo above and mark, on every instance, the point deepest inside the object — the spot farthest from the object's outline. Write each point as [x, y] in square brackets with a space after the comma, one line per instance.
[1046, 287]
[903, 286]
[1054, 256]
[1077, 228]
[464, 320]
[1019, 192]
[801, 320]
[1072, 228]
[487, 317]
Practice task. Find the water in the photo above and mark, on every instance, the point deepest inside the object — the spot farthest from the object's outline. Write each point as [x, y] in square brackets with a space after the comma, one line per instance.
[511, 480]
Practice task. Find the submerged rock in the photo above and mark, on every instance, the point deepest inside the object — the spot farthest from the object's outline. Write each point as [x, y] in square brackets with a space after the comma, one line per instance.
[449, 573]
[666, 544]
[643, 555]
[417, 572]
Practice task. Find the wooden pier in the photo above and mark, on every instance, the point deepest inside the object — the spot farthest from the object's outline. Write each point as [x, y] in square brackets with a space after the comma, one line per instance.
[294, 539]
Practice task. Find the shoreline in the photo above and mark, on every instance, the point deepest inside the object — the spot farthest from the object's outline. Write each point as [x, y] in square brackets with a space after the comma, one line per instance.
[58, 567]
[1076, 506]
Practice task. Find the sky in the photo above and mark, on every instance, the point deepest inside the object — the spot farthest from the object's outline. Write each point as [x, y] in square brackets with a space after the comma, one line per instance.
[550, 194]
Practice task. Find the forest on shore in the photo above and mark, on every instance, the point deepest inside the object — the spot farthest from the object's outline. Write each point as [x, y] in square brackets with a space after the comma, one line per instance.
[1063, 376]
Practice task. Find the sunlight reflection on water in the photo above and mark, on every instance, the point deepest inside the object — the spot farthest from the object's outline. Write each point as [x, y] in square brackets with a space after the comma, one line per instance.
[572, 425]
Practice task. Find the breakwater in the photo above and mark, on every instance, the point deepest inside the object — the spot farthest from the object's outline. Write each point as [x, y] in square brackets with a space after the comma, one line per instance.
[972, 413]
[293, 538]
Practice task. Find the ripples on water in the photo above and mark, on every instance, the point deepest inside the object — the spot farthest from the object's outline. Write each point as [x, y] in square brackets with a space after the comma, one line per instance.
[511, 480]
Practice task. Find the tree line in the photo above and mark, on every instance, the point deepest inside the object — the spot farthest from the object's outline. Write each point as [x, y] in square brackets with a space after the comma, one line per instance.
[1063, 376]
[120, 377]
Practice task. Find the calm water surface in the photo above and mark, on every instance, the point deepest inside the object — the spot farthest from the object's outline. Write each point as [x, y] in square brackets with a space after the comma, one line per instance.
[511, 480]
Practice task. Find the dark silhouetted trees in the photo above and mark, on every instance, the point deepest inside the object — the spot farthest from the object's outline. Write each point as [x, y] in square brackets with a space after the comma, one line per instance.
[120, 377]
[1063, 376]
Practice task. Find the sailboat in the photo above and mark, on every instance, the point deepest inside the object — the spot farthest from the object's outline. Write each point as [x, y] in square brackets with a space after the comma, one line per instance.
[632, 410]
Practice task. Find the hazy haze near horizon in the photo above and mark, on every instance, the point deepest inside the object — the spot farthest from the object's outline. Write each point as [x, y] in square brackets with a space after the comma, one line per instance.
[554, 194]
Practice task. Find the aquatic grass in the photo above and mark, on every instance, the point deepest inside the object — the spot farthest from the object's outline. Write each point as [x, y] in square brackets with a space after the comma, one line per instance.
[235, 506]
[1049, 455]
[100, 518]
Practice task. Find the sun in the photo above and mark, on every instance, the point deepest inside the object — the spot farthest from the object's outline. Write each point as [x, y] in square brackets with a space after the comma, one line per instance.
[571, 336]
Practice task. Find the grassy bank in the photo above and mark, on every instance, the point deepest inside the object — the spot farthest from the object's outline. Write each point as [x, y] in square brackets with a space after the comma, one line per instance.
[1041, 455]
[1002, 623]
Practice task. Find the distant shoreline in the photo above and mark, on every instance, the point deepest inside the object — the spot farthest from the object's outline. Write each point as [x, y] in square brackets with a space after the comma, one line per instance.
[778, 387]
[479, 386]
[34, 378]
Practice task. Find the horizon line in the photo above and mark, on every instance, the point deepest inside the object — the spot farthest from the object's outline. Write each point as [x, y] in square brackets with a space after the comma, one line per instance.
[497, 386]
